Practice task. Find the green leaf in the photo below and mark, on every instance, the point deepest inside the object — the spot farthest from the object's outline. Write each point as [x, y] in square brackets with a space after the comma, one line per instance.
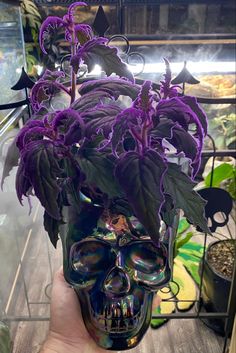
[223, 172]
[180, 187]
[99, 171]
[231, 188]
[182, 240]
[182, 226]
[140, 176]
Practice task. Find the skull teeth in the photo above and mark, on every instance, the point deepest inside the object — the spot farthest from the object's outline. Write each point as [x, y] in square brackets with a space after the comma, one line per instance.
[117, 317]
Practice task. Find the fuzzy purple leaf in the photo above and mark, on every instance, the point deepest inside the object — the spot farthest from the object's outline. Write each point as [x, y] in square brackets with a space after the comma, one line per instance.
[43, 91]
[91, 100]
[100, 119]
[23, 183]
[52, 22]
[41, 168]
[123, 124]
[99, 171]
[21, 135]
[141, 177]
[35, 133]
[83, 33]
[166, 89]
[145, 97]
[51, 226]
[114, 86]
[182, 140]
[74, 5]
[75, 132]
[64, 119]
[193, 104]
[178, 111]
[95, 51]
[180, 187]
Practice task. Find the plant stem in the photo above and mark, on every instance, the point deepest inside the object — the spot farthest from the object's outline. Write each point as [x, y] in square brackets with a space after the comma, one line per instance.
[137, 138]
[73, 75]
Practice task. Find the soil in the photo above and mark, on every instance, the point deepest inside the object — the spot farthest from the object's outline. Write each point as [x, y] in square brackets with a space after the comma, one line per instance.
[221, 257]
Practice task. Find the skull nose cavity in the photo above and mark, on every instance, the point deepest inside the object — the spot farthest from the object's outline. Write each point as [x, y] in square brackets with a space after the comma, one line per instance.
[117, 282]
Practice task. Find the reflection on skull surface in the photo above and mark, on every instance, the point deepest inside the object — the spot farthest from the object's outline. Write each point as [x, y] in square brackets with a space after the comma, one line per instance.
[114, 274]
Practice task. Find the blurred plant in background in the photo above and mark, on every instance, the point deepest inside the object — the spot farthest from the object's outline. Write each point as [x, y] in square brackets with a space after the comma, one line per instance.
[224, 175]
[31, 20]
[222, 129]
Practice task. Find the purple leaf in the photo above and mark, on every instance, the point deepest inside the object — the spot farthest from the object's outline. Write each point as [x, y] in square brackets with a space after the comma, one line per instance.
[114, 86]
[180, 187]
[91, 99]
[180, 112]
[45, 88]
[74, 5]
[100, 119]
[29, 124]
[99, 171]
[51, 226]
[182, 140]
[145, 97]
[75, 132]
[34, 134]
[95, 51]
[23, 183]
[166, 89]
[65, 119]
[143, 187]
[193, 104]
[163, 129]
[51, 22]
[83, 33]
[41, 168]
[11, 161]
[52, 76]
[124, 122]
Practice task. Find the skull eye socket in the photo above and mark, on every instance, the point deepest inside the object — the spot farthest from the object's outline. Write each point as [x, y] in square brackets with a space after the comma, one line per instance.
[90, 257]
[145, 257]
[150, 264]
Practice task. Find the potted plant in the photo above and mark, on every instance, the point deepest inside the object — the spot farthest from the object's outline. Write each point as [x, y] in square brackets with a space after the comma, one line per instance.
[102, 172]
[217, 278]
[220, 255]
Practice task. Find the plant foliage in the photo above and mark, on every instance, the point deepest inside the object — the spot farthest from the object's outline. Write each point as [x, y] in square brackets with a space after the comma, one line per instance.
[114, 154]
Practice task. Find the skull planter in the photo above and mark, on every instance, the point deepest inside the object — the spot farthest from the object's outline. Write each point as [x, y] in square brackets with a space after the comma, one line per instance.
[114, 274]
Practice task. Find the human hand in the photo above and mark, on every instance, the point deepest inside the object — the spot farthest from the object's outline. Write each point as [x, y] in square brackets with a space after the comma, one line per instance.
[67, 332]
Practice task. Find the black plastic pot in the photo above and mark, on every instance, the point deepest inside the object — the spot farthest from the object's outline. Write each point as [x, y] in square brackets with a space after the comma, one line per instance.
[215, 293]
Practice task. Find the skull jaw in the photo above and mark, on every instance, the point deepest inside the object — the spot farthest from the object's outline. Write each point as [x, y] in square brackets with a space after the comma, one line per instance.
[109, 340]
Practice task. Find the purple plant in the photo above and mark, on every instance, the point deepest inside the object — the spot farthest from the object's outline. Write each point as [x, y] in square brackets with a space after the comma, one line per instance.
[115, 155]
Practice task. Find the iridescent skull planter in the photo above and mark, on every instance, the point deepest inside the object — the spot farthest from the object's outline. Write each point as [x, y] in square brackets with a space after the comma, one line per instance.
[114, 274]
